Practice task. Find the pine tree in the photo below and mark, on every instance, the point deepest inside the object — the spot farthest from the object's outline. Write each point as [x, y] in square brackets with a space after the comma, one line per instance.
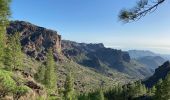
[17, 52]
[100, 95]
[13, 54]
[69, 88]
[140, 89]
[50, 73]
[131, 91]
[159, 90]
[4, 15]
[151, 91]
[8, 58]
[166, 88]
[119, 92]
[39, 76]
[125, 93]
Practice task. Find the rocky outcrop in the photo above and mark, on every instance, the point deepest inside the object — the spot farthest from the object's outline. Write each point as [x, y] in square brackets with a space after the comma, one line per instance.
[36, 40]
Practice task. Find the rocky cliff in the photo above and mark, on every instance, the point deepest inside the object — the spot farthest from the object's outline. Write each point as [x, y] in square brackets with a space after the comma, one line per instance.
[36, 40]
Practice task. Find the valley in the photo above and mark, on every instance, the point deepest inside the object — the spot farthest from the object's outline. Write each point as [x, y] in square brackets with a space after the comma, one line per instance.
[76, 50]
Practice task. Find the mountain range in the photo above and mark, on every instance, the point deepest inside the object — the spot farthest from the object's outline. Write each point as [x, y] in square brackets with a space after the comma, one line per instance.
[90, 63]
[135, 54]
[150, 59]
[104, 60]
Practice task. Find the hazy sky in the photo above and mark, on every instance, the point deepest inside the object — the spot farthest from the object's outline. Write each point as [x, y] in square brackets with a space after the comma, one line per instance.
[94, 21]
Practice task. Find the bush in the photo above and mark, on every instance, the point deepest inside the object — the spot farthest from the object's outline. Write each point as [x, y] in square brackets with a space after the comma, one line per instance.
[7, 84]
[20, 91]
[9, 87]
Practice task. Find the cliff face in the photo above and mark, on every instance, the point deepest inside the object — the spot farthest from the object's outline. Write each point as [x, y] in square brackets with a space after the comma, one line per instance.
[72, 49]
[36, 40]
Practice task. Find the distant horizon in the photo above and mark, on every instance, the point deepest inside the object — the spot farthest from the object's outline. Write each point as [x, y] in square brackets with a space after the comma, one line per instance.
[97, 22]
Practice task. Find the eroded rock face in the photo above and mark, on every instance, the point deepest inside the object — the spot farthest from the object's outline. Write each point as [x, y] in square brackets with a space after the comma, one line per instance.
[36, 40]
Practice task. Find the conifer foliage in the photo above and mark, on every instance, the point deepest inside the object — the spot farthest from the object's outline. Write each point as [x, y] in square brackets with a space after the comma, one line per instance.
[40, 75]
[69, 88]
[163, 89]
[4, 15]
[50, 73]
[13, 54]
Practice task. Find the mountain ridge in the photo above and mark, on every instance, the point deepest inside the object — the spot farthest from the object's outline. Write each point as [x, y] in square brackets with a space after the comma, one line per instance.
[36, 40]
[102, 58]
[110, 63]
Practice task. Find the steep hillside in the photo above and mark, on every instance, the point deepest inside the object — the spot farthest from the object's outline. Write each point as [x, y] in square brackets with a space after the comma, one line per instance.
[36, 40]
[86, 79]
[104, 59]
[160, 73]
[92, 64]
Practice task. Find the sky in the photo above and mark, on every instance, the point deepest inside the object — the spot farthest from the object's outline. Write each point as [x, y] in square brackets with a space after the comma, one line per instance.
[96, 21]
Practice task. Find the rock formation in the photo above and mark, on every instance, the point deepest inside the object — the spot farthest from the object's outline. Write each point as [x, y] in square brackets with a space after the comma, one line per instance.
[36, 40]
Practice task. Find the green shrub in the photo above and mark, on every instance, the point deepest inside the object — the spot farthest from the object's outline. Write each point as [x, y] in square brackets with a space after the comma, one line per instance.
[7, 84]
[20, 91]
[9, 87]
[39, 76]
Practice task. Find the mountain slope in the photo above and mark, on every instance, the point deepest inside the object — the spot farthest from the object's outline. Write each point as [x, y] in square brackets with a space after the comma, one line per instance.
[148, 59]
[36, 40]
[104, 59]
[160, 73]
[151, 62]
[92, 64]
